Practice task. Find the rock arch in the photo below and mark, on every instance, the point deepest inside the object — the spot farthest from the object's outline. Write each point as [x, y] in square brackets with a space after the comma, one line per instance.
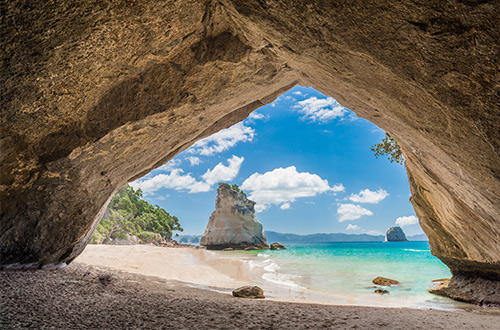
[97, 94]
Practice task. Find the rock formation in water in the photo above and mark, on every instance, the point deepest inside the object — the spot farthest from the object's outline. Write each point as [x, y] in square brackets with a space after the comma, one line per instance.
[379, 280]
[395, 234]
[233, 223]
[96, 94]
[277, 246]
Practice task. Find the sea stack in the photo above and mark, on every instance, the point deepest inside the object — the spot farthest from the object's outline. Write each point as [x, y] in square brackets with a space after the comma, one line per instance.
[233, 223]
[395, 234]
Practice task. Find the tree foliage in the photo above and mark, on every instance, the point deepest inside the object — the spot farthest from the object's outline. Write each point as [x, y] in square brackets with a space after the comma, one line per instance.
[130, 214]
[390, 148]
[234, 187]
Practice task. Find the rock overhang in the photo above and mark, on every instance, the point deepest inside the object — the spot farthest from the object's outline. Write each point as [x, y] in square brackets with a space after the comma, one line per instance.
[99, 95]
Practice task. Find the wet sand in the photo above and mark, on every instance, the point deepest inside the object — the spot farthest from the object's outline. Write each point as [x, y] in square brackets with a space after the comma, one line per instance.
[84, 296]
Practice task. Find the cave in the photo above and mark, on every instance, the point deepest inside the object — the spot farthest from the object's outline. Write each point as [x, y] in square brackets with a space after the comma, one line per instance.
[96, 94]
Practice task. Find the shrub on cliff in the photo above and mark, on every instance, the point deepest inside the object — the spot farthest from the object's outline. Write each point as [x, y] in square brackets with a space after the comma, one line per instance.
[234, 187]
[390, 148]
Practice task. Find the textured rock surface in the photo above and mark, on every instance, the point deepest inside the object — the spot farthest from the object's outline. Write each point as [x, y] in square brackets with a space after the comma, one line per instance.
[233, 223]
[478, 290]
[277, 246]
[379, 280]
[253, 292]
[97, 93]
[395, 234]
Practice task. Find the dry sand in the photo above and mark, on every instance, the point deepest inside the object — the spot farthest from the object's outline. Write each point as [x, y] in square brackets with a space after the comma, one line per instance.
[92, 297]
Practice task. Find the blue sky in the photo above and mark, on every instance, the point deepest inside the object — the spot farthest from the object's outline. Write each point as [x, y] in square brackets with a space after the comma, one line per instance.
[304, 159]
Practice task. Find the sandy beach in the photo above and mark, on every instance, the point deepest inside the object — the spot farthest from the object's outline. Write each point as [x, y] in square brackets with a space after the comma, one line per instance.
[116, 290]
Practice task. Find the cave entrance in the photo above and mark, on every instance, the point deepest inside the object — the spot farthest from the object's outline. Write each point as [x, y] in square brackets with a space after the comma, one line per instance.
[306, 161]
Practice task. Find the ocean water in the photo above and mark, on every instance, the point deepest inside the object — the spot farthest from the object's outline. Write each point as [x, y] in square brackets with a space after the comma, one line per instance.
[342, 272]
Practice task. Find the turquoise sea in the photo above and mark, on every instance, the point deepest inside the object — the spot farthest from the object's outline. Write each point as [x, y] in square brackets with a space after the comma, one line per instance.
[344, 272]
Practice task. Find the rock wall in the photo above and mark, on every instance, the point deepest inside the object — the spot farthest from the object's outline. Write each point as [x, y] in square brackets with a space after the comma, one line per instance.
[233, 223]
[97, 93]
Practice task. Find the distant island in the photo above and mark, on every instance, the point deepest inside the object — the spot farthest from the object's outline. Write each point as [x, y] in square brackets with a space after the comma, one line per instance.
[333, 237]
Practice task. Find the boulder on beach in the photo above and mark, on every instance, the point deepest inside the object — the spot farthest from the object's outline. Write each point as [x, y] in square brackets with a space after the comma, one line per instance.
[395, 234]
[382, 291]
[277, 246]
[252, 292]
[233, 223]
[384, 281]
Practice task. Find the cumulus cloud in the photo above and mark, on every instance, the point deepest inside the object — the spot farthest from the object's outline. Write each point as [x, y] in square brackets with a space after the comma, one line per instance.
[194, 160]
[173, 163]
[223, 173]
[353, 227]
[174, 180]
[375, 233]
[320, 110]
[285, 206]
[368, 196]
[299, 93]
[223, 140]
[285, 185]
[348, 212]
[254, 116]
[407, 221]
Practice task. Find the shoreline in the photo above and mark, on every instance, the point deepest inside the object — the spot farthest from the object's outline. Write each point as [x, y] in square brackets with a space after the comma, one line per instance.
[225, 271]
[90, 297]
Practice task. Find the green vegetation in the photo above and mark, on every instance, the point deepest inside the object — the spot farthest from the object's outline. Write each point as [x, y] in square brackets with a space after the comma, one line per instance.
[390, 148]
[234, 187]
[130, 214]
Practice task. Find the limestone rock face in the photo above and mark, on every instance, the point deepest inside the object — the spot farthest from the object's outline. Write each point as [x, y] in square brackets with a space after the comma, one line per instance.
[96, 94]
[395, 234]
[233, 223]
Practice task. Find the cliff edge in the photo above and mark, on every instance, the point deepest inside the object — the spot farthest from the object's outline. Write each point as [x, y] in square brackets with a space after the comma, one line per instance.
[233, 223]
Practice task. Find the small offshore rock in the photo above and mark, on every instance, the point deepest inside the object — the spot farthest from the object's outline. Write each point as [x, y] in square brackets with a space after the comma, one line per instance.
[384, 281]
[395, 234]
[382, 291]
[251, 248]
[252, 292]
[277, 246]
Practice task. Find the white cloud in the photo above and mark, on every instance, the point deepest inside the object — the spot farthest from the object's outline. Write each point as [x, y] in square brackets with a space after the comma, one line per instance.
[375, 233]
[285, 185]
[174, 180]
[285, 206]
[194, 160]
[254, 116]
[173, 163]
[353, 227]
[223, 173]
[320, 110]
[299, 93]
[351, 212]
[223, 140]
[407, 221]
[368, 196]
